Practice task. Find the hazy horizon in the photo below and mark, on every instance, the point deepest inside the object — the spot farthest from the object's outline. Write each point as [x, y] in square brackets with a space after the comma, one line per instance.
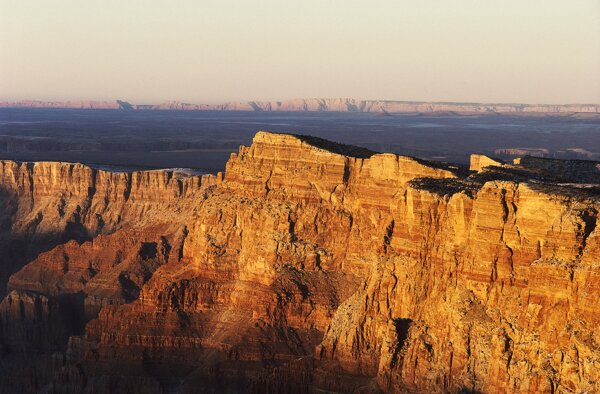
[146, 52]
[208, 102]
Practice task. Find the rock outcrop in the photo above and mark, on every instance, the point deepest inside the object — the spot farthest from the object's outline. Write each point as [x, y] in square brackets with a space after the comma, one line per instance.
[480, 162]
[306, 266]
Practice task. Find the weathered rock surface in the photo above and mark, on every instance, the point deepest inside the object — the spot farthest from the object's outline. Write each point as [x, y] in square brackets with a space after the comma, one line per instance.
[307, 266]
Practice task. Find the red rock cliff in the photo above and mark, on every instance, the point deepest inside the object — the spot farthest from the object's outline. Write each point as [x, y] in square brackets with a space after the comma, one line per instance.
[314, 266]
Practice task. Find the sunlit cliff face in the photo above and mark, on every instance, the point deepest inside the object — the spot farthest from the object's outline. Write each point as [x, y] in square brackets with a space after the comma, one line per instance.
[306, 265]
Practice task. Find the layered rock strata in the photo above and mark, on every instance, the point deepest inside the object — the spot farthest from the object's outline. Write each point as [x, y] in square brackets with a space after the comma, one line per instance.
[319, 105]
[307, 266]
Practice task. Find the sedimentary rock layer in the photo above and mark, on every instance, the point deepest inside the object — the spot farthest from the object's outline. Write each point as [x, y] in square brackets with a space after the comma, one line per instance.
[307, 266]
[318, 105]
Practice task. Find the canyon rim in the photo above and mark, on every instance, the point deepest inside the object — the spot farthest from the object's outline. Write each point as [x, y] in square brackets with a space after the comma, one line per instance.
[290, 197]
[306, 266]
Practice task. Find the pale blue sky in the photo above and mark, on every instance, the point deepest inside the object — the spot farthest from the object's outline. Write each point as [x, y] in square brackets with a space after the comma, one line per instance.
[545, 51]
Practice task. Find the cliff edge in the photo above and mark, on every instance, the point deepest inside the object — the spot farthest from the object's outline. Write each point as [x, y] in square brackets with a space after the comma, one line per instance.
[308, 266]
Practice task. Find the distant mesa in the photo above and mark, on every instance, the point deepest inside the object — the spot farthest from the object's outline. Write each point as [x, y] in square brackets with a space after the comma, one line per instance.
[124, 105]
[479, 162]
[381, 107]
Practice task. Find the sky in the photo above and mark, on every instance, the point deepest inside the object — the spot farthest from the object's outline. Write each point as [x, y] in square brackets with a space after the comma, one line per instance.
[525, 51]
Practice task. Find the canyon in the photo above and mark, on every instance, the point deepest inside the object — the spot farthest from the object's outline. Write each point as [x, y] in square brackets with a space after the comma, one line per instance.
[319, 105]
[305, 266]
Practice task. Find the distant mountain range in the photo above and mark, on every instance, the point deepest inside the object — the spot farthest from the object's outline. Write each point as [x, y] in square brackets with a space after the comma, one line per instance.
[316, 105]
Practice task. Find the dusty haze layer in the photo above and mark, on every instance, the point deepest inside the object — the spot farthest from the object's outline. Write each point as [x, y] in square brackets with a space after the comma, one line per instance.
[317, 105]
[205, 139]
[306, 266]
[471, 51]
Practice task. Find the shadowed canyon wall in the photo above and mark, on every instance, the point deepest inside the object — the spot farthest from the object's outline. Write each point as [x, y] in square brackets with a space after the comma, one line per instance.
[306, 266]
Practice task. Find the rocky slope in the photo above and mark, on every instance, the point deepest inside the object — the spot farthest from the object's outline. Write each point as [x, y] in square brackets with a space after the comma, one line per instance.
[307, 266]
[320, 105]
